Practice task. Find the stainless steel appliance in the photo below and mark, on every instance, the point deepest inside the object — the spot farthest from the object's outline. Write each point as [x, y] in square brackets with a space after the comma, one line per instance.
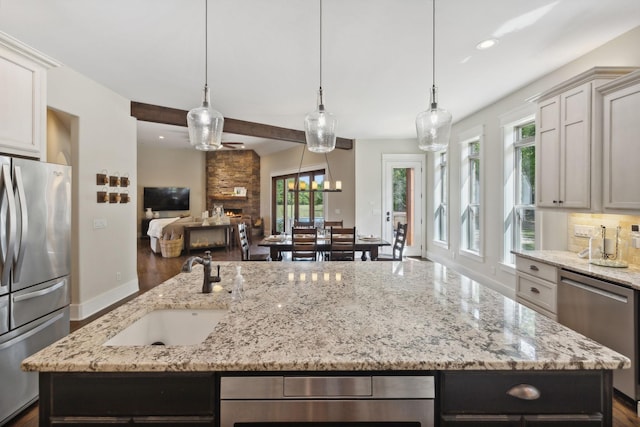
[368, 400]
[607, 313]
[35, 259]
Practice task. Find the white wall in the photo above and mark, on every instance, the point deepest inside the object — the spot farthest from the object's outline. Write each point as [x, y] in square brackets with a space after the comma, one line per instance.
[622, 51]
[166, 167]
[103, 136]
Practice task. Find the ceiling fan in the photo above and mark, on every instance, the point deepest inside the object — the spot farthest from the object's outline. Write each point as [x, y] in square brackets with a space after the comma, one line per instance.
[229, 145]
[233, 145]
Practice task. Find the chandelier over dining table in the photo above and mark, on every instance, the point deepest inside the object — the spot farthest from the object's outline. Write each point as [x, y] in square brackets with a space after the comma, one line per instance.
[313, 186]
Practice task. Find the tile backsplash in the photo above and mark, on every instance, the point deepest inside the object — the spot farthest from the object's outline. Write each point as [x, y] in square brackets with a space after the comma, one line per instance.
[577, 243]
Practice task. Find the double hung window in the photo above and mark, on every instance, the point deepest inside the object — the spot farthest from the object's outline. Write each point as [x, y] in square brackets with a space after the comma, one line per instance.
[525, 173]
[519, 184]
[471, 221]
[471, 192]
[440, 225]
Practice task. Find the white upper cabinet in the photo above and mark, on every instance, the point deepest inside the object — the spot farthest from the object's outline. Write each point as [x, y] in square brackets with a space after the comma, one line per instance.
[621, 143]
[23, 93]
[568, 143]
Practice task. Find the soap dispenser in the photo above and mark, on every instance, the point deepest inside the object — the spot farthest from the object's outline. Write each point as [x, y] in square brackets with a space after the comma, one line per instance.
[238, 285]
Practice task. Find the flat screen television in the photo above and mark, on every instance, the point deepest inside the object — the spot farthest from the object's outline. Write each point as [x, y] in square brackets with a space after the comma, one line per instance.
[166, 198]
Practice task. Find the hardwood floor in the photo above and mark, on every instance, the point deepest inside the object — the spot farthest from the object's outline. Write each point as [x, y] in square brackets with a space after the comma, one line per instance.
[154, 269]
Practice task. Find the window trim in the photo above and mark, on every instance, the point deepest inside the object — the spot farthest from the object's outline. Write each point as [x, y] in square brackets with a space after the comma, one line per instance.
[438, 199]
[508, 124]
[305, 170]
[472, 135]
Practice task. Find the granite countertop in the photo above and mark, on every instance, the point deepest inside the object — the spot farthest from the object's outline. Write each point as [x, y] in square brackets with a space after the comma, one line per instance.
[628, 276]
[324, 316]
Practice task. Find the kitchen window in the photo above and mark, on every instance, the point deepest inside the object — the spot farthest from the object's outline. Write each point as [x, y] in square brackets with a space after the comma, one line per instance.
[519, 184]
[524, 210]
[440, 199]
[470, 193]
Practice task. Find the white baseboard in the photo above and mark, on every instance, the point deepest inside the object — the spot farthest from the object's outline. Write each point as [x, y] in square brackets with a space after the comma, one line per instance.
[83, 310]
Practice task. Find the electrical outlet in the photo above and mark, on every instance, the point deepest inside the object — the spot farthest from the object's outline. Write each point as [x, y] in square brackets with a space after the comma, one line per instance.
[99, 223]
[583, 230]
[118, 276]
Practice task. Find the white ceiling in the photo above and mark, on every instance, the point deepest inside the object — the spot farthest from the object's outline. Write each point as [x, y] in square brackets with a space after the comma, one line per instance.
[264, 54]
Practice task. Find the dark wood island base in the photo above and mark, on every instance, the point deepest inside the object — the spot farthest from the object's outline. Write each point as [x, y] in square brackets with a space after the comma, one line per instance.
[462, 398]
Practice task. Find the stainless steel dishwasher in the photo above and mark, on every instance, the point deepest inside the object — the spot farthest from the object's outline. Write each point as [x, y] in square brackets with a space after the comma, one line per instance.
[367, 400]
[607, 313]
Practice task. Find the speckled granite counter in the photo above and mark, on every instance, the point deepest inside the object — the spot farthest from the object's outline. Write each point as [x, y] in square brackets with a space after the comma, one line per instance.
[414, 315]
[629, 276]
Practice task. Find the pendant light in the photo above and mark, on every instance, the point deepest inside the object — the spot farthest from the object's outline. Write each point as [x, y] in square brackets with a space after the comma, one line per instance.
[204, 123]
[320, 125]
[434, 125]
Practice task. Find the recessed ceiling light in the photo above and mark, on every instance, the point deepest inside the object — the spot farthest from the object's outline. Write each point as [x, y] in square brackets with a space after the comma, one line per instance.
[161, 137]
[486, 44]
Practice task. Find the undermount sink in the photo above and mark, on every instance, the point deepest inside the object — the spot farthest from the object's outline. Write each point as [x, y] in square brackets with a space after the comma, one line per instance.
[169, 327]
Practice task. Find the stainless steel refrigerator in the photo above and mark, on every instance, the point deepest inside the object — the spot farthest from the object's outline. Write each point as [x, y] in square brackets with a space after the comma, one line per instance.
[35, 261]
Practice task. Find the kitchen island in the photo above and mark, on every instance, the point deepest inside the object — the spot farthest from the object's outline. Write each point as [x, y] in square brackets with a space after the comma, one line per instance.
[333, 318]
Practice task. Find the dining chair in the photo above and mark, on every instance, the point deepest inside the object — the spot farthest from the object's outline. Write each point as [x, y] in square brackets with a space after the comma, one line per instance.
[303, 224]
[243, 243]
[304, 244]
[329, 224]
[343, 244]
[398, 245]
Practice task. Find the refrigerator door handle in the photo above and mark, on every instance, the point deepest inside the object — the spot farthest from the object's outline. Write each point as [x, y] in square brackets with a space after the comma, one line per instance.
[31, 332]
[7, 261]
[24, 232]
[39, 293]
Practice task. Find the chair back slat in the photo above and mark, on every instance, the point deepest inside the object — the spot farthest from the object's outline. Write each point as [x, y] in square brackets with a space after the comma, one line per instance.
[329, 224]
[400, 240]
[243, 243]
[304, 244]
[343, 244]
[303, 224]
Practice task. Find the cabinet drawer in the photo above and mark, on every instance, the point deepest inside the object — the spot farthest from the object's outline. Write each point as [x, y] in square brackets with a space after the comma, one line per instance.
[481, 421]
[537, 291]
[487, 392]
[537, 269]
[130, 394]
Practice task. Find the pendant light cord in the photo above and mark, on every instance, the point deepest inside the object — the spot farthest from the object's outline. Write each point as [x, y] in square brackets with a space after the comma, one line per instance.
[300, 167]
[320, 44]
[328, 167]
[320, 50]
[206, 40]
[433, 40]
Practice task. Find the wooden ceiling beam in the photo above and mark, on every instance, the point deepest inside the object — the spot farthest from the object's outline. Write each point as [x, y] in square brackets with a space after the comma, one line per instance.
[177, 117]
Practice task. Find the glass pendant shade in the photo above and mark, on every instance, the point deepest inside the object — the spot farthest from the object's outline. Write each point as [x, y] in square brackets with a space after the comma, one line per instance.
[433, 127]
[205, 126]
[320, 130]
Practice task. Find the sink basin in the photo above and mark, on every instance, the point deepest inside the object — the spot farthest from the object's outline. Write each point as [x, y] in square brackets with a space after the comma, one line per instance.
[169, 327]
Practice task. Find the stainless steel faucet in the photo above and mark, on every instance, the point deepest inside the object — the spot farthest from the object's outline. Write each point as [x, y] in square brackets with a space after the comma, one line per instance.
[208, 280]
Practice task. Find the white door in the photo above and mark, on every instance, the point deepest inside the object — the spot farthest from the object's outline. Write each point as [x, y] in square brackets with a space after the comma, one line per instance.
[402, 201]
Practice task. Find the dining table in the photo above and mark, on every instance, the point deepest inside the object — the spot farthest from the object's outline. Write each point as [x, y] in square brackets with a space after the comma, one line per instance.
[280, 243]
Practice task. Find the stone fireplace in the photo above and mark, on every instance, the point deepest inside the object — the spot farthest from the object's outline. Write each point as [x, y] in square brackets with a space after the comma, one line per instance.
[228, 169]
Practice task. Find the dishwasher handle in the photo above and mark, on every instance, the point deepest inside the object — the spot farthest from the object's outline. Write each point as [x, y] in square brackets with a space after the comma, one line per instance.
[593, 289]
